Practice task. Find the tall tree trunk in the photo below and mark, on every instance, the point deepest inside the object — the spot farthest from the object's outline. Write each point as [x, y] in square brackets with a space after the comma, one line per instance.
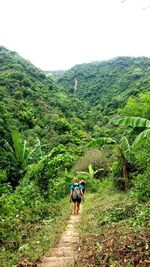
[124, 168]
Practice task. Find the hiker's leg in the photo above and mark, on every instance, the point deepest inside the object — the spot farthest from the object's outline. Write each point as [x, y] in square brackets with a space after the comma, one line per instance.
[74, 207]
[78, 207]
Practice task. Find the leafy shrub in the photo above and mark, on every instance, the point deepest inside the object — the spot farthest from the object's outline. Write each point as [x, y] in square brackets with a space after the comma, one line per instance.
[143, 217]
[142, 187]
[59, 188]
[5, 188]
[92, 185]
[116, 169]
[118, 214]
[94, 157]
[21, 210]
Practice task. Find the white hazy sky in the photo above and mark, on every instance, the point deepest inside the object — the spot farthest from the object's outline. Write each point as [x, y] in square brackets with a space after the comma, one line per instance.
[58, 34]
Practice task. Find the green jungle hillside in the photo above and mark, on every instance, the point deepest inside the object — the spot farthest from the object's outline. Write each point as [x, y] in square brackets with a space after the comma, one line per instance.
[92, 121]
[108, 84]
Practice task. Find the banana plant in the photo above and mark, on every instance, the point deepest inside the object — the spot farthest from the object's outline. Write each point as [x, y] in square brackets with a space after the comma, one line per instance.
[136, 122]
[20, 152]
[37, 150]
[123, 151]
[91, 172]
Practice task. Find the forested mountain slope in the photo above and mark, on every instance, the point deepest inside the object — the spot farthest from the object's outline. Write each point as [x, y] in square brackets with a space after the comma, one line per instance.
[30, 99]
[109, 83]
[32, 104]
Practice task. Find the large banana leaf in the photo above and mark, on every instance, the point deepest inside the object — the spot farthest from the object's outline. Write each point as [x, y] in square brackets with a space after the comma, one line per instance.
[142, 135]
[18, 145]
[36, 151]
[38, 146]
[124, 144]
[133, 122]
[91, 171]
[19, 150]
[101, 141]
[8, 146]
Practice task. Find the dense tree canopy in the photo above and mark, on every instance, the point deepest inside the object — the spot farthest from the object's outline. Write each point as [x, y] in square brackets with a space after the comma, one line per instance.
[109, 84]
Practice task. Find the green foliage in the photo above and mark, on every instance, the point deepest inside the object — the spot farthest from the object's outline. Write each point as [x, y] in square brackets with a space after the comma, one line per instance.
[124, 144]
[141, 136]
[142, 152]
[118, 214]
[95, 158]
[5, 188]
[133, 122]
[21, 207]
[142, 187]
[101, 142]
[25, 221]
[33, 105]
[143, 217]
[116, 170]
[93, 185]
[137, 106]
[123, 151]
[20, 155]
[91, 171]
[110, 225]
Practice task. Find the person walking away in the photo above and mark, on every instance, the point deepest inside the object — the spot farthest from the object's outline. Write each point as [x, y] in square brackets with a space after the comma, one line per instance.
[83, 183]
[76, 195]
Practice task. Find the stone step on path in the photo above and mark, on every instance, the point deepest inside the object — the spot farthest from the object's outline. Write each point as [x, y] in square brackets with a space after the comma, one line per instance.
[65, 253]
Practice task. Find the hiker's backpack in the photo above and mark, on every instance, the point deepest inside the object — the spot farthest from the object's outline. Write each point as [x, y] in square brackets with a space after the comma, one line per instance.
[76, 192]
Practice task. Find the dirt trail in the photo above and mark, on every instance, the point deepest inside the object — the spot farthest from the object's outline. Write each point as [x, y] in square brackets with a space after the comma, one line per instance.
[65, 253]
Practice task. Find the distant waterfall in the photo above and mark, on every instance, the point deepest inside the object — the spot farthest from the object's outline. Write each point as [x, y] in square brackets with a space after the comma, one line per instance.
[75, 85]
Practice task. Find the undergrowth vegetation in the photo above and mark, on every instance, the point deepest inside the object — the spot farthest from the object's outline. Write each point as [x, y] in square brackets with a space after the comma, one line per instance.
[28, 233]
[114, 229]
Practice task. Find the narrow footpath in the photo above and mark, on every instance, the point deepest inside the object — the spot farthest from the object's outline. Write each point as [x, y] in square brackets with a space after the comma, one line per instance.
[65, 253]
